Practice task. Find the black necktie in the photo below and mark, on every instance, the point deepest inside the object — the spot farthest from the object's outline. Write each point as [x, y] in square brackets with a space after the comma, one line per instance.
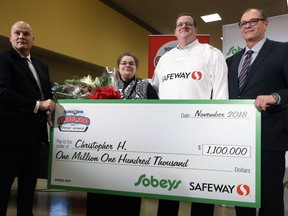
[245, 69]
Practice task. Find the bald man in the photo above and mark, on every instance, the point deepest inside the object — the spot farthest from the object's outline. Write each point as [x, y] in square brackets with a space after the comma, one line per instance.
[25, 109]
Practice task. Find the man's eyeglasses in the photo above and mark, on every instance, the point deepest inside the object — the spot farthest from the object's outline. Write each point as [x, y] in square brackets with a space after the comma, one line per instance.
[129, 63]
[252, 22]
[180, 24]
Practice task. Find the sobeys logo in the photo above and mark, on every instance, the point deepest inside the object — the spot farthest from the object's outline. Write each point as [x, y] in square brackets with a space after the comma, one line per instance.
[233, 51]
[154, 182]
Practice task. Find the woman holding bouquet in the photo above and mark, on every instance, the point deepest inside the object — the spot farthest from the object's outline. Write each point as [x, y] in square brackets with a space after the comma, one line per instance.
[130, 88]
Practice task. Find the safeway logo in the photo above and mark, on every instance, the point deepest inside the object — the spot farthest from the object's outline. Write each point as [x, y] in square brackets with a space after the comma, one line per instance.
[196, 75]
[243, 190]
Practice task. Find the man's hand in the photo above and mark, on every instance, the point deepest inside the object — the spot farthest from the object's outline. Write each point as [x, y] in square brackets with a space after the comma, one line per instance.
[264, 101]
[49, 106]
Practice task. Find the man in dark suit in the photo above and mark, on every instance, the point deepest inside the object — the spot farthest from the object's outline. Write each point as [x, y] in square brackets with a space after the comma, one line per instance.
[267, 83]
[25, 108]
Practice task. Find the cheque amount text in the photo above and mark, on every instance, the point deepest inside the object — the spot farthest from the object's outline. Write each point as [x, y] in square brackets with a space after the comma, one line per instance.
[226, 150]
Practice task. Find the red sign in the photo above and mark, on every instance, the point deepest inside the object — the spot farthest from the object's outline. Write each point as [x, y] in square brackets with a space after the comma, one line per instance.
[160, 44]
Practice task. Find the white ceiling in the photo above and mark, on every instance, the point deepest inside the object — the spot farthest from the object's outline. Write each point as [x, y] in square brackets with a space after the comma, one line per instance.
[161, 15]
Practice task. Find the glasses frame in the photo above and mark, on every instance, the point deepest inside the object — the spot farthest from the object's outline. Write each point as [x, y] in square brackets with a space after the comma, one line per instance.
[131, 63]
[252, 22]
[180, 24]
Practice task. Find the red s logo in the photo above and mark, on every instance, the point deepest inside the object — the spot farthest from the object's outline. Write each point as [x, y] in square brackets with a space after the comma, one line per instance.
[196, 75]
[243, 190]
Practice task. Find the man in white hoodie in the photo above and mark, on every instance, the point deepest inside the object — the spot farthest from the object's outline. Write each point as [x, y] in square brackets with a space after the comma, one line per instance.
[190, 71]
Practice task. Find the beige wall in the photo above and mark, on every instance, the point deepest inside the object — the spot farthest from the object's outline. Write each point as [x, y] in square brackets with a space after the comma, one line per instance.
[84, 29]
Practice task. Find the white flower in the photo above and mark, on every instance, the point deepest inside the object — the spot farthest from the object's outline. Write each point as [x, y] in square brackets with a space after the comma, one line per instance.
[76, 91]
[97, 81]
[88, 80]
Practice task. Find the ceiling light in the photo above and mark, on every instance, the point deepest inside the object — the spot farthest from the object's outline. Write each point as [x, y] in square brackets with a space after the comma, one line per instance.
[212, 17]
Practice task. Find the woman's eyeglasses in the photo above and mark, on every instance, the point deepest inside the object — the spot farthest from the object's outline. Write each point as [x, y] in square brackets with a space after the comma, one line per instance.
[129, 63]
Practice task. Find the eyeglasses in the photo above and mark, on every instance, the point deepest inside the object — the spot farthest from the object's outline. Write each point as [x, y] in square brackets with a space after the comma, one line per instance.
[180, 24]
[129, 63]
[252, 22]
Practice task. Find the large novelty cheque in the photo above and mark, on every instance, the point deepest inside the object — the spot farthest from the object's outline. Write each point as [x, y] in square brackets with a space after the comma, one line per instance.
[189, 150]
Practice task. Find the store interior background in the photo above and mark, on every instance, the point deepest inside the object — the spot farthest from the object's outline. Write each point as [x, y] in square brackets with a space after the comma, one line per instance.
[80, 37]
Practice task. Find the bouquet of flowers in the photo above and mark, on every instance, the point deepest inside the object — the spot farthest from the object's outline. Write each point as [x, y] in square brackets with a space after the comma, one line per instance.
[102, 87]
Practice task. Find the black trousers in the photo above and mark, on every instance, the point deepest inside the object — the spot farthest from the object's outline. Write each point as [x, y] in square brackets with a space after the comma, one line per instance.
[21, 162]
[106, 204]
[272, 190]
[171, 208]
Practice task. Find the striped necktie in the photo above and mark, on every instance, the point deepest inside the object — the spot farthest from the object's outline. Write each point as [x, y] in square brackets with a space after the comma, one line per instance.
[245, 69]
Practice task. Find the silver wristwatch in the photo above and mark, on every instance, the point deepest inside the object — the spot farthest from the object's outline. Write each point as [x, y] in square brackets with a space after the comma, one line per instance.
[276, 97]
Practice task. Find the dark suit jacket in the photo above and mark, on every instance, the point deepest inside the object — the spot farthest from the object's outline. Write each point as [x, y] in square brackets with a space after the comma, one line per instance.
[18, 95]
[268, 74]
